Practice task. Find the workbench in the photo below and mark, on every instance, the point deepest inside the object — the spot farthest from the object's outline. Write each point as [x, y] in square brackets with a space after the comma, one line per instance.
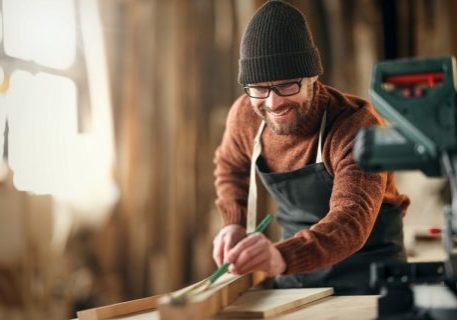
[333, 307]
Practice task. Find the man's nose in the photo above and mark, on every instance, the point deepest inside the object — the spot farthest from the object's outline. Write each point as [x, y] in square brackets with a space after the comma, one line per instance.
[274, 100]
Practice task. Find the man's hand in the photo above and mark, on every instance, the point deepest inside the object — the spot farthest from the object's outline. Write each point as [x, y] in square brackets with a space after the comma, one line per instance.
[255, 253]
[225, 240]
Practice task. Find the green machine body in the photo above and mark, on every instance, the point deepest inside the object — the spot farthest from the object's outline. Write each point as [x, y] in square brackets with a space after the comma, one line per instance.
[418, 99]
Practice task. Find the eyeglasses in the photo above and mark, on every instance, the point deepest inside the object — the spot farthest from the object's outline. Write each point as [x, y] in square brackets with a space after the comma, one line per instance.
[283, 89]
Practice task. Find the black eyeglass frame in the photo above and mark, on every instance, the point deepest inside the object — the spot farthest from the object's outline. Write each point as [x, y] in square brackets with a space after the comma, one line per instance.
[275, 88]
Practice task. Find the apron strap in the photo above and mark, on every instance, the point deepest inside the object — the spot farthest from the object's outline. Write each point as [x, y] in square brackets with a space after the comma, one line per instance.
[321, 134]
[252, 197]
[257, 150]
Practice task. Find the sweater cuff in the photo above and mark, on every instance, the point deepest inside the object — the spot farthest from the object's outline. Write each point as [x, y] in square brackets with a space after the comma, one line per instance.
[293, 252]
[232, 214]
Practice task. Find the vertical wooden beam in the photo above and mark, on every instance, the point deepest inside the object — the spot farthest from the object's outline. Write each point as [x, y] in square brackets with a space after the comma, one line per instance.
[162, 89]
[452, 13]
[367, 33]
[432, 34]
[181, 139]
[129, 153]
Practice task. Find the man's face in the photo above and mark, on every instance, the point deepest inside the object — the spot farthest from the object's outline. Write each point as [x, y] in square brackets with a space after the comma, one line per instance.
[283, 114]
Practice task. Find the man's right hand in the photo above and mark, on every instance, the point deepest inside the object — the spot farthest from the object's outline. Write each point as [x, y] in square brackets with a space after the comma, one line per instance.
[226, 239]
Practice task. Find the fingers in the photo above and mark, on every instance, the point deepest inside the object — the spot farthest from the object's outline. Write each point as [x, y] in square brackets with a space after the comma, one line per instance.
[262, 265]
[253, 253]
[227, 246]
[249, 254]
[229, 243]
[257, 239]
[218, 250]
[225, 240]
[251, 263]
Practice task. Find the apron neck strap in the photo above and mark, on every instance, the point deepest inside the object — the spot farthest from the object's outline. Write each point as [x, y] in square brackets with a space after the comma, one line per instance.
[321, 134]
[252, 197]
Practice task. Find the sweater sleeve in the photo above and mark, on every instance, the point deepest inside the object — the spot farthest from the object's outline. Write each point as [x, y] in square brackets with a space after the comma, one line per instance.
[354, 204]
[232, 161]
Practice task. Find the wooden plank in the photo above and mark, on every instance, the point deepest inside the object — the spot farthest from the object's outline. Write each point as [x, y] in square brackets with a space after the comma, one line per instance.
[336, 308]
[209, 302]
[120, 309]
[149, 315]
[269, 303]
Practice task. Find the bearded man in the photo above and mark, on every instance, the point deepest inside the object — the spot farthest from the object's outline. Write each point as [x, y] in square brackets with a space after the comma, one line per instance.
[297, 135]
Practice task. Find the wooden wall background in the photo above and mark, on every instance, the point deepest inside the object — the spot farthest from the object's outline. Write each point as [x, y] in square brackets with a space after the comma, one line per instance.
[173, 71]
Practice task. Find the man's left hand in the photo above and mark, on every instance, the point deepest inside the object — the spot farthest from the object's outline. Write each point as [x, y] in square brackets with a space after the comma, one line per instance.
[255, 253]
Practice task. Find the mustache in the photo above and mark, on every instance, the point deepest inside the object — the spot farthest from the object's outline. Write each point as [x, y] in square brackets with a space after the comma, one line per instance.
[280, 108]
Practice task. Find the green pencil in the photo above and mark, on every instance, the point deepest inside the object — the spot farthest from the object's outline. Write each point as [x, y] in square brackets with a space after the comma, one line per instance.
[204, 284]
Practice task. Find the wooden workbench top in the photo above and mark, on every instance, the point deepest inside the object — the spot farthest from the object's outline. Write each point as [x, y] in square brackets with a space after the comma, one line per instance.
[333, 307]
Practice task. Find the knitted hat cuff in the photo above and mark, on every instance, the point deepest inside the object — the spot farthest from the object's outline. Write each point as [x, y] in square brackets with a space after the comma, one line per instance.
[282, 66]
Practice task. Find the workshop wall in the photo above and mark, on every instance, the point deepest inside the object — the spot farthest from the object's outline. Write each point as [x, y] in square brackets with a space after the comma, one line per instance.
[172, 69]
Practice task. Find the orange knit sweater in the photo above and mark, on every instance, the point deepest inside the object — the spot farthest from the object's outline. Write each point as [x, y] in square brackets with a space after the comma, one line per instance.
[356, 196]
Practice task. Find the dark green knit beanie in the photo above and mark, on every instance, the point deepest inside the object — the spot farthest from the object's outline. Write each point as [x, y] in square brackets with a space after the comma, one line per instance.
[277, 45]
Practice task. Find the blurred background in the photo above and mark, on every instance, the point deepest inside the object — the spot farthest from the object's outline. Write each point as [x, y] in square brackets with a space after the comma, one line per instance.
[110, 113]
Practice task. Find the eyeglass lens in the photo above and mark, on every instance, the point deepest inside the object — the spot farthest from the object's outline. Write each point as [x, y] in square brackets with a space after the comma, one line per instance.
[285, 89]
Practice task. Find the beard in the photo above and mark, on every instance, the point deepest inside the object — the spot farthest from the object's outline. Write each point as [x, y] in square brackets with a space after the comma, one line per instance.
[296, 113]
[292, 117]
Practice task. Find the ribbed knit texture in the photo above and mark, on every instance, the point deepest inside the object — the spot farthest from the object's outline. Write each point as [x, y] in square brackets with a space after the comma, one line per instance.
[356, 195]
[277, 45]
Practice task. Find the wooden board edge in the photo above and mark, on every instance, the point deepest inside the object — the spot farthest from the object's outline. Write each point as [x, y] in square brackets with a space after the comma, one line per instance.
[279, 310]
[203, 308]
[300, 303]
[120, 309]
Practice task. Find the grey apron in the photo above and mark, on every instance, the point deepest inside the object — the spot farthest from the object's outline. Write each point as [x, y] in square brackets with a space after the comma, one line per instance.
[303, 198]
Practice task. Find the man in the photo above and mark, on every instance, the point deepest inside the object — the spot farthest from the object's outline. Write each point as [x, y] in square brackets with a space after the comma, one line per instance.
[335, 219]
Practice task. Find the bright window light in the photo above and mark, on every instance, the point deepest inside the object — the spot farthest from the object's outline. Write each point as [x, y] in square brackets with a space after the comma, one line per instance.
[46, 152]
[1, 28]
[40, 30]
[42, 119]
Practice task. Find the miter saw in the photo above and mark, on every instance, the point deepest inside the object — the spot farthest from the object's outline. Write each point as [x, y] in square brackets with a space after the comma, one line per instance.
[418, 99]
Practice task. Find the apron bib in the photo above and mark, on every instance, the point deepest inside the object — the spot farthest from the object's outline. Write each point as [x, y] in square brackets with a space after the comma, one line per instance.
[303, 198]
